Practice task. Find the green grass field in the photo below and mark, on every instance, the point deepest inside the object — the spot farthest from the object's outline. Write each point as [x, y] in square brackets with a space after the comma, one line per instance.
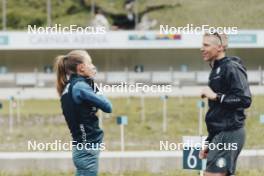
[41, 121]
[66, 12]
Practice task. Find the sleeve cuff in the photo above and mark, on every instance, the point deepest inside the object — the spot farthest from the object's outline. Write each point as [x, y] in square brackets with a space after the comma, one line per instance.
[220, 97]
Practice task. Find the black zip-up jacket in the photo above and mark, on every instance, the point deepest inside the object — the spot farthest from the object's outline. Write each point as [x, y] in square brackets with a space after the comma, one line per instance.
[228, 79]
[81, 118]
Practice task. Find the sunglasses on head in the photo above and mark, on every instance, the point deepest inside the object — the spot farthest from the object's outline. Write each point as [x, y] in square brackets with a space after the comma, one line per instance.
[218, 36]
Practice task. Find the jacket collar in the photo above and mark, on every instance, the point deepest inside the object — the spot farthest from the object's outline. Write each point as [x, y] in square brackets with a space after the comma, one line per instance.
[220, 61]
[75, 76]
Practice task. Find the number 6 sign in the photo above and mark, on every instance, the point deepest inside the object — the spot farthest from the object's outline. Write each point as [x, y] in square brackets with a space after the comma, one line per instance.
[191, 158]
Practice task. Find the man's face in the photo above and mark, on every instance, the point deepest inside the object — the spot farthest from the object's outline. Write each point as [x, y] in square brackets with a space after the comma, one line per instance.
[211, 48]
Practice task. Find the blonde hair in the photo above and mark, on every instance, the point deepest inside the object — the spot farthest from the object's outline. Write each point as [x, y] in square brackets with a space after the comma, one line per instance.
[66, 65]
[221, 37]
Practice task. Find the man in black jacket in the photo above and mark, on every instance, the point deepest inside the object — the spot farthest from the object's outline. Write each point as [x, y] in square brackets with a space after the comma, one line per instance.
[228, 95]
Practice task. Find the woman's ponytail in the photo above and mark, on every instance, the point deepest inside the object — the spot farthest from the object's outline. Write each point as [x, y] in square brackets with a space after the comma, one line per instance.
[66, 65]
[61, 74]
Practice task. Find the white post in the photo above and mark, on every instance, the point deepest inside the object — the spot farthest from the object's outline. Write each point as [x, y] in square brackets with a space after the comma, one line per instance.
[92, 8]
[3, 15]
[142, 107]
[181, 98]
[171, 74]
[11, 121]
[201, 173]
[128, 103]
[18, 108]
[136, 14]
[22, 101]
[164, 115]
[122, 131]
[200, 127]
[1, 107]
[261, 76]
[128, 100]
[48, 13]
[127, 75]
[101, 119]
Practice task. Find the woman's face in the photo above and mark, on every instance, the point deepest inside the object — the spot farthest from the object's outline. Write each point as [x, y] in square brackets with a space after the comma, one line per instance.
[87, 69]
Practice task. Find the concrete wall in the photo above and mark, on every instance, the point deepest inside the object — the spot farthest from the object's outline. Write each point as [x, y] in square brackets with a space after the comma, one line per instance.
[114, 162]
[117, 60]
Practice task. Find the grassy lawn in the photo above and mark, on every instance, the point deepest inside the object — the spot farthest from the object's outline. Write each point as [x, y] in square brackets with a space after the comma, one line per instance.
[66, 12]
[41, 120]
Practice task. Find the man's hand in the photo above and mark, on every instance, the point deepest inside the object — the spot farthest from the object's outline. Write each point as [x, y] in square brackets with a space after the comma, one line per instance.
[208, 93]
[203, 153]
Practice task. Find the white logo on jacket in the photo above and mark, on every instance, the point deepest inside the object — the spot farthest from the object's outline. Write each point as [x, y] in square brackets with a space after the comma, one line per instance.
[66, 89]
[218, 70]
[221, 162]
